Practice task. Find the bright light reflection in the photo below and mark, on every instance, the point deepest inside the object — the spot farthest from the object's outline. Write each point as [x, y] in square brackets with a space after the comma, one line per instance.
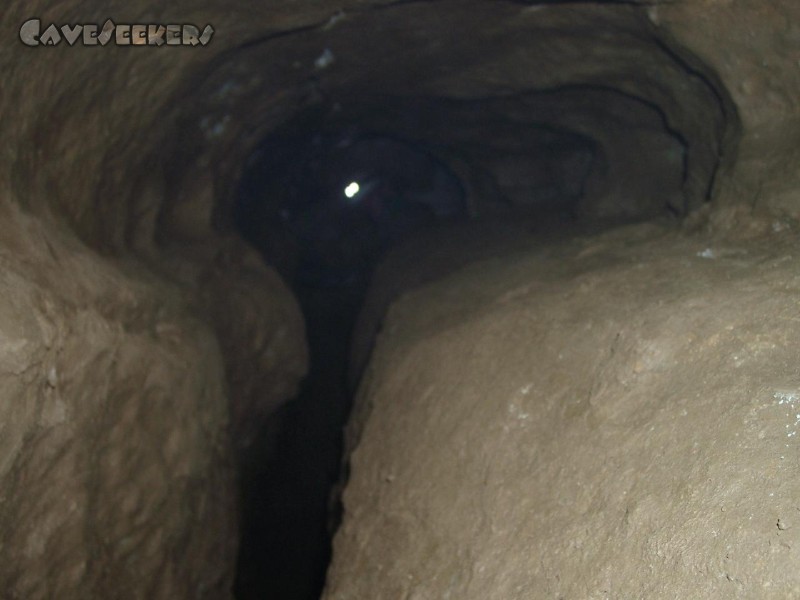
[352, 189]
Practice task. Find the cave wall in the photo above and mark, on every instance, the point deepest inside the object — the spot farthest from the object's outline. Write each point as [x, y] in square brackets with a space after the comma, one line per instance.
[135, 335]
[141, 348]
[609, 417]
[754, 49]
[116, 456]
[613, 416]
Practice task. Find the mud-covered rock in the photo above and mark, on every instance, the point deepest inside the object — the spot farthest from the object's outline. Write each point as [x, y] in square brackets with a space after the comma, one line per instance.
[612, 417]
[117, 469]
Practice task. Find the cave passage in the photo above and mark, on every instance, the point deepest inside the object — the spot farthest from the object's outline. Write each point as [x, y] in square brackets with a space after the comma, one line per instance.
[324, 205]
[364, 162]
[323, 209]
[203, 245]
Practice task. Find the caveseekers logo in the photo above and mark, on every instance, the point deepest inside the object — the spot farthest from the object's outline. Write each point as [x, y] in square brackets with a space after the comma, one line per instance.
[31, 34]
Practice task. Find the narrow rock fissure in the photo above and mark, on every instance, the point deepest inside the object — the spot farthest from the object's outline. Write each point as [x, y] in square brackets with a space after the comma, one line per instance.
[519, 273]
[355, 172]
[289, 508]
[324, 204]
[336, 204]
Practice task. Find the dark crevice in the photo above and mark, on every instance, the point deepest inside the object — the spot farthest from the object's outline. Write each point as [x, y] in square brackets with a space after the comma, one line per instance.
[299, 206]
[288, 506]
[328, 244]
[294, 206]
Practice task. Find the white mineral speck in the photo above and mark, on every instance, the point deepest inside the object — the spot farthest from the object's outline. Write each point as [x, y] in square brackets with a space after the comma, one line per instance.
[325, 59]
[339, 16]
[52, 377]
